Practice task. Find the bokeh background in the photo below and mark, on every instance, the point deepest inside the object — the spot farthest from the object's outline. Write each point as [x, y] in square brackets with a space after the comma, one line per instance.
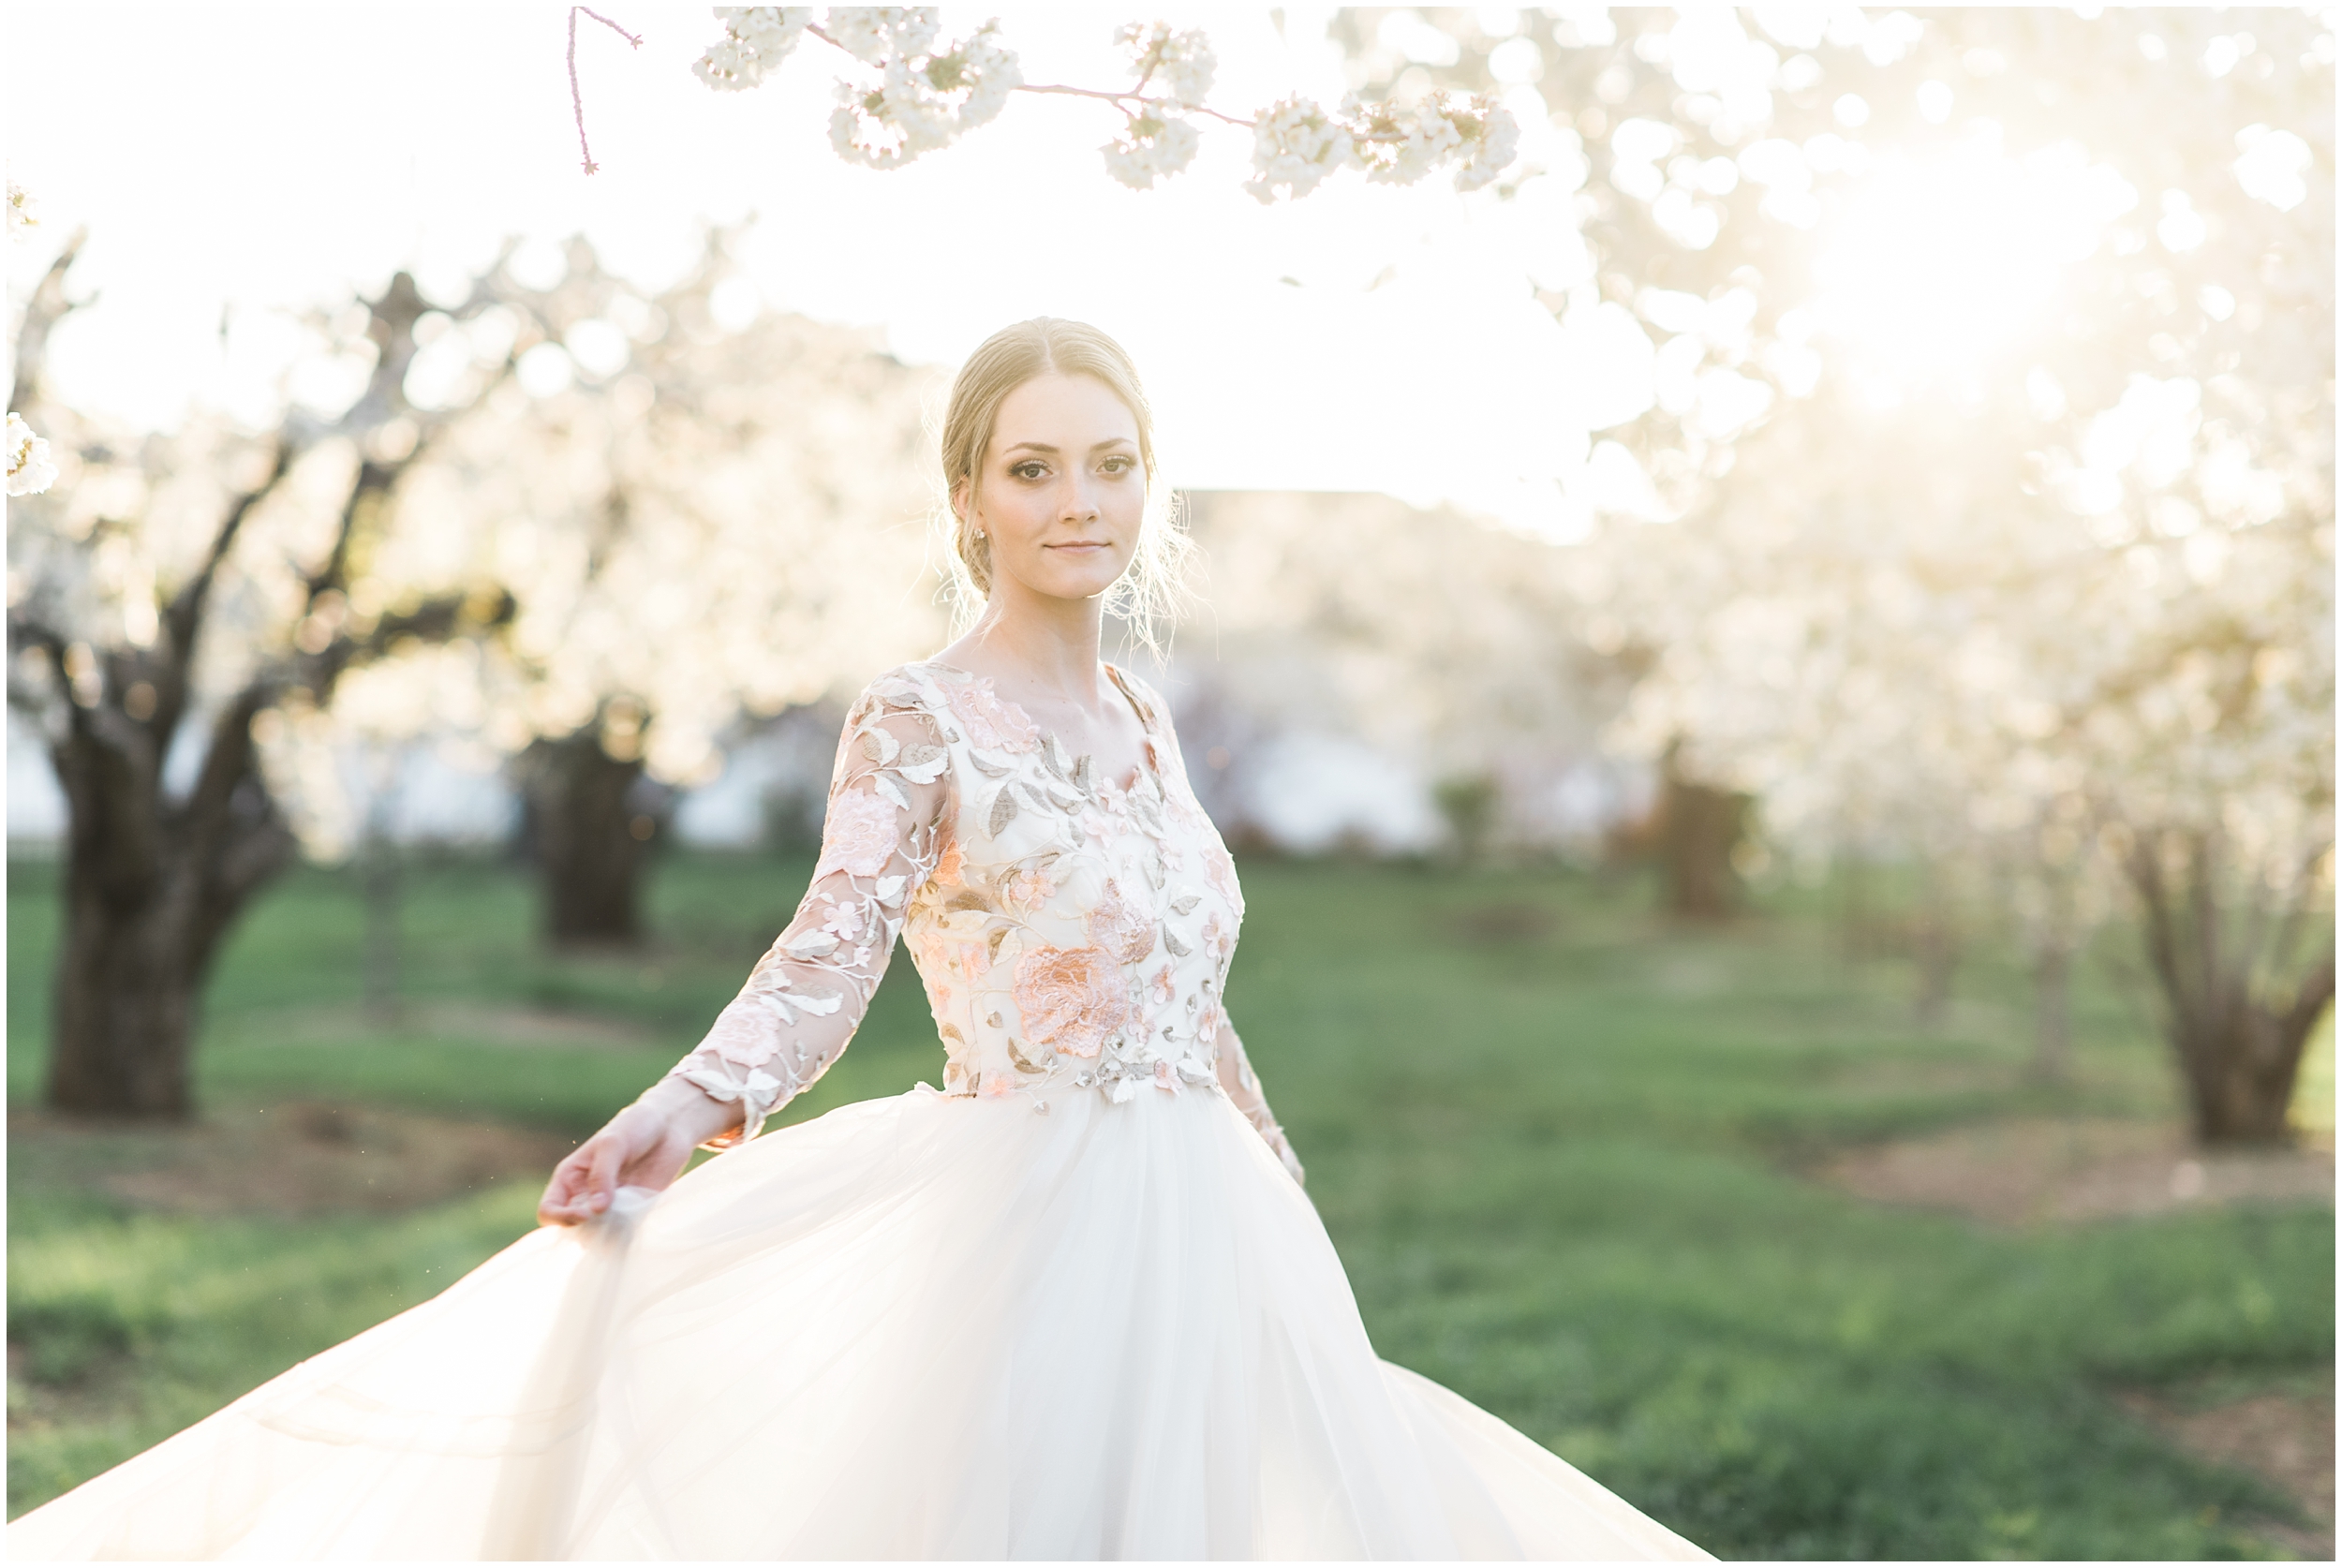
[1770, 672]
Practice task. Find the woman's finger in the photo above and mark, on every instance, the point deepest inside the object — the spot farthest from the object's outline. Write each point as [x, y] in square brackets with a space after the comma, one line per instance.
[602, 1181]
[560, 1204]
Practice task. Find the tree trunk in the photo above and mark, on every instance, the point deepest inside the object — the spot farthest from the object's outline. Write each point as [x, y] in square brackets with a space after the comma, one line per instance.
[148, 897]
[2053, 1013]
[1700, 827]
[588, 832]
[1936, 949]
[1856, 938]
[378, 888]
[2238, 1047]
[125, 1007]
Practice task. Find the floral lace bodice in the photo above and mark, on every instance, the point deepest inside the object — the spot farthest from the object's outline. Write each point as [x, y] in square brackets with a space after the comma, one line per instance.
[1074, 933]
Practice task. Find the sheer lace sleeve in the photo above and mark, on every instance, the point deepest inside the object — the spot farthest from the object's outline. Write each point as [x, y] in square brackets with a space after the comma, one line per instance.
[888, 813]
[1243, 1087]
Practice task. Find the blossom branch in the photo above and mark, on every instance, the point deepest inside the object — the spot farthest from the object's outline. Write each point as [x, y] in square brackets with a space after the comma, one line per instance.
[1123, 101]
[930, 94]
[577, 99]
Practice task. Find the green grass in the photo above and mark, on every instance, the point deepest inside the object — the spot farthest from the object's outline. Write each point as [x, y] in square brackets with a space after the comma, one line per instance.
[1554, 1136]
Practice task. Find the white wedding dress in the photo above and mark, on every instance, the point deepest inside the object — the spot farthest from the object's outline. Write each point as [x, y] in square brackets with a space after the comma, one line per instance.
[1075, 1305]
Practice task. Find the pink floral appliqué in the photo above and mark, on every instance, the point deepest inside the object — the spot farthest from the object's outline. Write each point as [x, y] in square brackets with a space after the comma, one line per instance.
[860, 834]
[1071, 998]
[1166, 986]
[1165, 1079]
[1124, 930]
[844, 921]
[952, 866]
[993, 724]
[1028, 890]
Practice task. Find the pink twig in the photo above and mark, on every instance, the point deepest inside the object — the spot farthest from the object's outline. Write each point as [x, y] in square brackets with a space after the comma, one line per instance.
[1122, 100]
[577, 100]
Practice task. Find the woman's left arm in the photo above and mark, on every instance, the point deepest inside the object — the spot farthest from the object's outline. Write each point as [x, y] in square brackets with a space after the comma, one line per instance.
[1243, 1085]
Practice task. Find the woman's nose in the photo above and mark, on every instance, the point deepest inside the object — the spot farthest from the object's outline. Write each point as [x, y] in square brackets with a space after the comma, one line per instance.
[1076, 504]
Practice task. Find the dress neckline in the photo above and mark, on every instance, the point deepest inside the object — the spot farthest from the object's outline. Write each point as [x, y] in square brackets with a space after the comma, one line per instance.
[1148, 760]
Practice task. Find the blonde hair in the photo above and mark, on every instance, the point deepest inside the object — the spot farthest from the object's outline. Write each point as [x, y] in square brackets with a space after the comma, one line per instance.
[1152, 587]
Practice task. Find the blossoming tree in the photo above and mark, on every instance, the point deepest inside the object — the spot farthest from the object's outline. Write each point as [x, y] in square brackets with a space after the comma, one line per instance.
[204, 588]
[709, 518]
[1983, 489]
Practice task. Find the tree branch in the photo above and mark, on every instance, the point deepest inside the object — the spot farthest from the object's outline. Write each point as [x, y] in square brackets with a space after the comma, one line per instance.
[44, 310]
[183, 618]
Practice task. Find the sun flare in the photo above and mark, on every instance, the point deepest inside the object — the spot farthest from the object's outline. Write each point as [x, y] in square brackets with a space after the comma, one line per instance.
[1944, 261]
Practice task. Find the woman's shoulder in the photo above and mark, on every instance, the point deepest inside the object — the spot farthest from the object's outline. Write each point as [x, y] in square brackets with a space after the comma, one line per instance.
[900, 695]
[1150, 704]
[917, 683]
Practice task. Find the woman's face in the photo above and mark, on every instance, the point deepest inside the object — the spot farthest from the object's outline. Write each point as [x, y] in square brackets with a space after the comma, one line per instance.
[1062, 491]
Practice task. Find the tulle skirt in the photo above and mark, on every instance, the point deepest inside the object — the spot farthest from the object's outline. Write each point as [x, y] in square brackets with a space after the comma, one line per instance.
[915, 1327]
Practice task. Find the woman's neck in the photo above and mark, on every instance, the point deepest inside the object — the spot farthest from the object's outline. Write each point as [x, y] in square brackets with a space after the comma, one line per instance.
[1052, 644]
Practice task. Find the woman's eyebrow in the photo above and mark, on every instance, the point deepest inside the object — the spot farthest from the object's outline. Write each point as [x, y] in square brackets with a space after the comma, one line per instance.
[1043, 446]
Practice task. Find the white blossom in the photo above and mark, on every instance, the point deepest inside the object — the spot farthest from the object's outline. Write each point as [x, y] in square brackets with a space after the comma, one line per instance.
[1398, 145]
[30, 471]
[1181, 63]
[21, 221]
[1295, 145]
[920, 104]
[757, 38]
[1151, 147]
[1491, 139]
[875, 35]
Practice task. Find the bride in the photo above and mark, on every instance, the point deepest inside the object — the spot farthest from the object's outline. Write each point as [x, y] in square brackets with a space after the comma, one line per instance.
[1074, 1305]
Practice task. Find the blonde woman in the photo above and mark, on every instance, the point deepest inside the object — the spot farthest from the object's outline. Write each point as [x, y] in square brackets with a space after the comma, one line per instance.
[1074, 1305]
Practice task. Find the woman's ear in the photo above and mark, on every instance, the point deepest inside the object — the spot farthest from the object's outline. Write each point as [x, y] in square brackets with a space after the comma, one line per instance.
[959, 500]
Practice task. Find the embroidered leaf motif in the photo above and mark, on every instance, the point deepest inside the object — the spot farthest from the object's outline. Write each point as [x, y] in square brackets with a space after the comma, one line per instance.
[1081, 773]
[923, 764]
[879, 746]
[891, 789]
[814, 944]
[1024, 1063]
[1003, 809]
[1053, 754]
[1171, 940]
[987, 767]
[889, 889]
[1185, 903]
[992, 946]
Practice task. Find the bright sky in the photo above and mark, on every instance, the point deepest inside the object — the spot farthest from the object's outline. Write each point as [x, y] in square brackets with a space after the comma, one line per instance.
[267, 157]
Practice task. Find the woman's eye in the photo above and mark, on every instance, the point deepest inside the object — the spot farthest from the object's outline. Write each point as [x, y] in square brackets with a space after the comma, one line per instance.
[1028, 471]
[1116, 465]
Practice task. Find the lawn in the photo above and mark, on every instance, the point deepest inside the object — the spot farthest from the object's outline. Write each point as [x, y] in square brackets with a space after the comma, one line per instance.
[1562, 1145]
